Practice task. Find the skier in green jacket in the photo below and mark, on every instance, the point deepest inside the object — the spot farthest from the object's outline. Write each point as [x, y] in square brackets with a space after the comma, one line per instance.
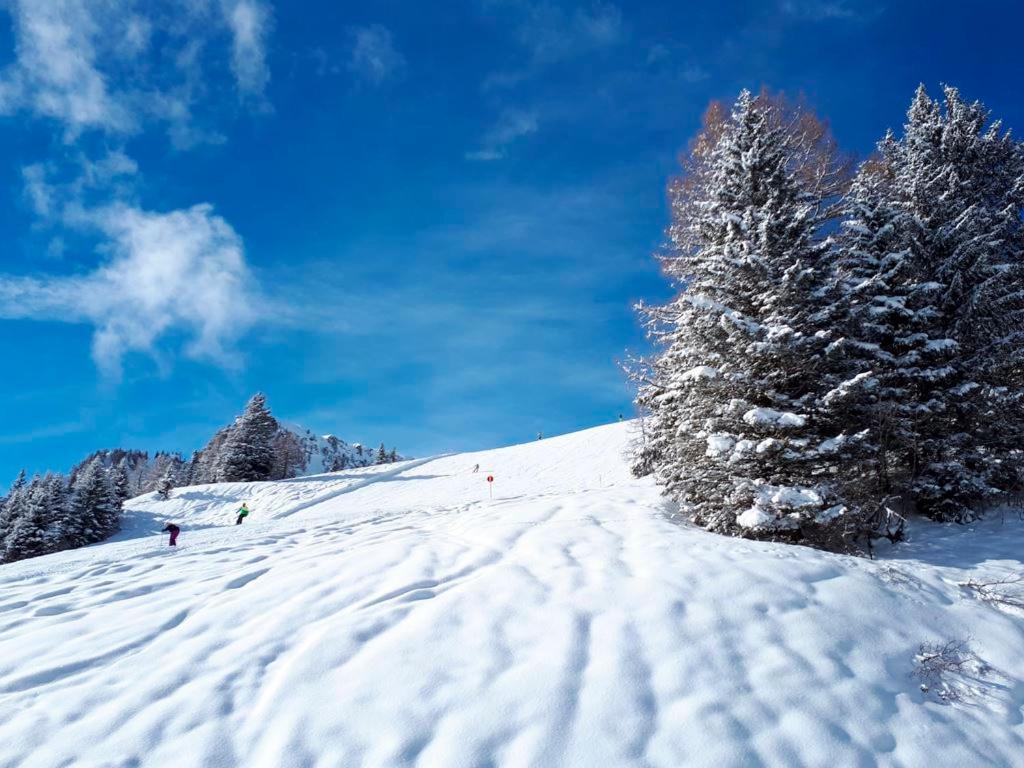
[242, 514]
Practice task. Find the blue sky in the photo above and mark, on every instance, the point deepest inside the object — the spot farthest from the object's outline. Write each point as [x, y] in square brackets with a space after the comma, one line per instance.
[412, 222]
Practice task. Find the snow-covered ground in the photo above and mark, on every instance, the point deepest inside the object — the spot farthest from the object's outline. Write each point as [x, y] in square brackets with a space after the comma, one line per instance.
[398, 616]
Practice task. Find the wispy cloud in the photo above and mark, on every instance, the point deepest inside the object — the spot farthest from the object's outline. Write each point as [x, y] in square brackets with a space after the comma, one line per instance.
[663, 59]
[167, 274]
[550, 34]
[819, 10]
[512, 124]
[56, 73]
[72, 56]
[249, 21]
[373, 56]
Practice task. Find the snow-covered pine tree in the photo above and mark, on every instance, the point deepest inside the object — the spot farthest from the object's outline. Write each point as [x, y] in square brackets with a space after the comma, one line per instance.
[382, 454]
[33, 532]
[189, 472]
[248, 452]
[959, 178]
[96, 514]
[892, 331]
[61, 509]
[119, 481]
[743, 427]
[163, 488]
[10, 507]
[12, 511]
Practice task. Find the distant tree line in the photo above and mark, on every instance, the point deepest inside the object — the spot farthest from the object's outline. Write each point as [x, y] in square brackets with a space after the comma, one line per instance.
[846, 345]
[54, 512]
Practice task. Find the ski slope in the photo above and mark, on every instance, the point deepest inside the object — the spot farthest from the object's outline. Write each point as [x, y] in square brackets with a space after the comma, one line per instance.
[398, 616]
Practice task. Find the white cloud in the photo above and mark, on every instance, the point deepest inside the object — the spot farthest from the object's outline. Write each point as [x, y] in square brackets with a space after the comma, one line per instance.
[167, 274]
[93, 65]
[62, 202]
[374, 56]
[512, 124]
[56, 73]
[249, 21]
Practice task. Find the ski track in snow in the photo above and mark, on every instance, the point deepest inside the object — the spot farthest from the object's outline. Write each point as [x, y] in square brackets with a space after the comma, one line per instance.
[396, 616]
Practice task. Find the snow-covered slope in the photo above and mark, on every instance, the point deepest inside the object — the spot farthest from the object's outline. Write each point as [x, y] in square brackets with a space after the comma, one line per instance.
[397, 615]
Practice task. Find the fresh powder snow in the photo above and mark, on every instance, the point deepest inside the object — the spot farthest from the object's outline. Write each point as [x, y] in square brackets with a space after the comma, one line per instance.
[397, 616]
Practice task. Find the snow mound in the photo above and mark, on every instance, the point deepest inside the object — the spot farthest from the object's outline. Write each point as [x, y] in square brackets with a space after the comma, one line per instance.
[400, 616]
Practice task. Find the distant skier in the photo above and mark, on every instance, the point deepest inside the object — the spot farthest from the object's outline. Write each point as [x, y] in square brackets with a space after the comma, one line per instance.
[242, 514]
[476, 468]
[174, 530]
[540, 435]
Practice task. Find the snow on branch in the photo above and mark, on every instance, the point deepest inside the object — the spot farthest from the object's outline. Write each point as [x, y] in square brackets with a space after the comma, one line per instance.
[1006, 593]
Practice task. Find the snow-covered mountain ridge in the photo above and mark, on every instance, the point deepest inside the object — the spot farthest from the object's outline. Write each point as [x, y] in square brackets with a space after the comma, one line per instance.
[398, 615]
[327, 453]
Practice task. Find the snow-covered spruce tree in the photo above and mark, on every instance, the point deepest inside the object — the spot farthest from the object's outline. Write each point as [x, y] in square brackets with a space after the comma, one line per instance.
[248, 451]
[745, 428]
[31, 533]
[120, 483]
[13, 509]
[890, 322]
[10, 507]
[163, 488]
[382, 454]
[954, 184]
[61, 509]
[96, 514]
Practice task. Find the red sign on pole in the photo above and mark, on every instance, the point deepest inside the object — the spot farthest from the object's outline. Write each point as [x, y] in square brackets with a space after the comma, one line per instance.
[490, 478]
[490, 486]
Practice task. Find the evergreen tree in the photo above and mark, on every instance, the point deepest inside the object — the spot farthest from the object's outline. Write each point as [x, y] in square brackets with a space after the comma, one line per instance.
[61, 510]
[248, 452]
[382, 454]
[190, 470]
[747, 427]
[96, 514]
[119, 482]
[163, 489]
[30, 534]
[948, 286]
[12, 510]
[9, 508]
[890, 317]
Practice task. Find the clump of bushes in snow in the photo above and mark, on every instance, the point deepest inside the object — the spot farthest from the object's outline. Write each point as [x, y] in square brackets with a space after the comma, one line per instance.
[1006, 593]
[950, 671]
[845, 343]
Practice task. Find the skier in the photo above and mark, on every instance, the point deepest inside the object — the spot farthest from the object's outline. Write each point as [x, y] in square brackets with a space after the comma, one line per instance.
[242, 514]
[174, 530]
[476, 468]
